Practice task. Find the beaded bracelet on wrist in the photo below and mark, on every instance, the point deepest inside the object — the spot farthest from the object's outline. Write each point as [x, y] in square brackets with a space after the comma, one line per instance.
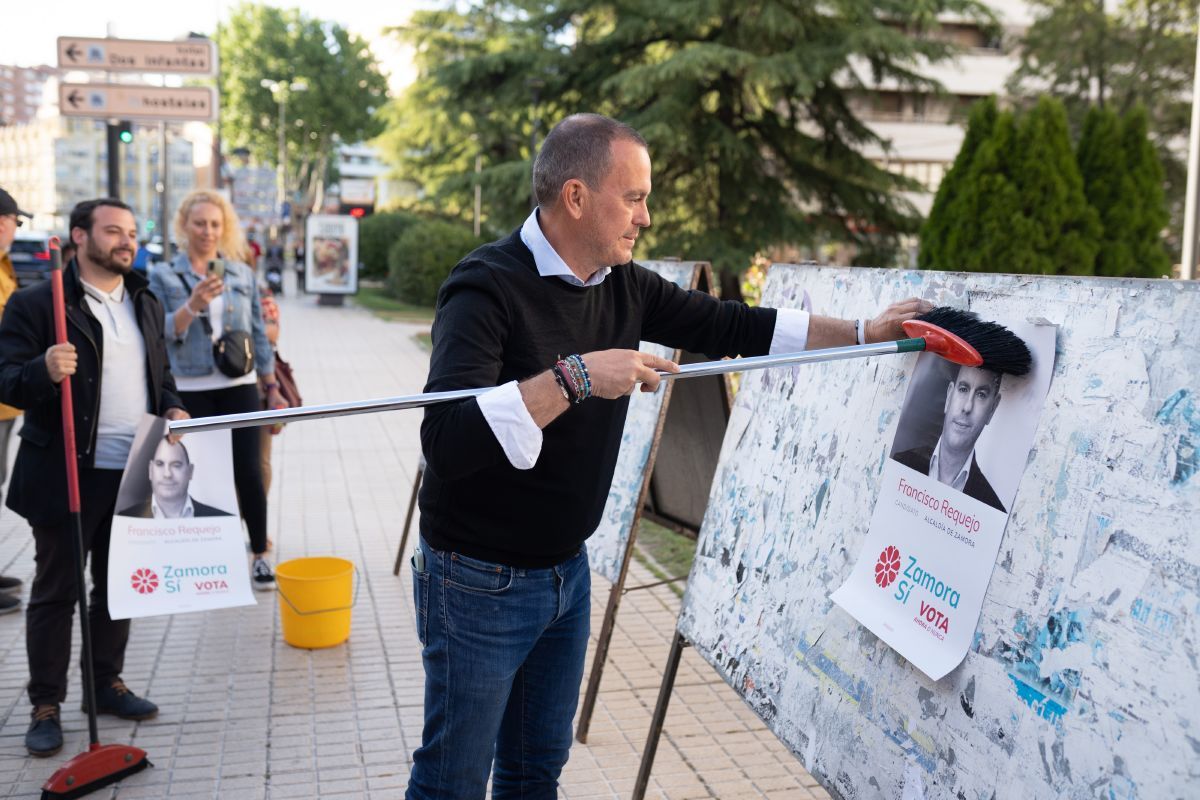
[575, 378]
[562, 383]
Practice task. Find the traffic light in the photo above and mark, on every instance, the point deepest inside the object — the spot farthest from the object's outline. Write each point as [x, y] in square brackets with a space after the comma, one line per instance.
[356, 210]
[125, 131]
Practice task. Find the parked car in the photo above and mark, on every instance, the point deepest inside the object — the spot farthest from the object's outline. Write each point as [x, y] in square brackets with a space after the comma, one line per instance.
[30, 254]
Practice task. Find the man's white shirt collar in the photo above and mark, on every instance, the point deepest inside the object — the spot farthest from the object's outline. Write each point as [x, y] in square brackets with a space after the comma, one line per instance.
[960, 480]
[189, 510]
[117, 295]
[549, 262]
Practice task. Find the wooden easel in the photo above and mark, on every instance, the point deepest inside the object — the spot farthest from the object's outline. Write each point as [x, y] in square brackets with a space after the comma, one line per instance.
[412, 507]
[676, 477]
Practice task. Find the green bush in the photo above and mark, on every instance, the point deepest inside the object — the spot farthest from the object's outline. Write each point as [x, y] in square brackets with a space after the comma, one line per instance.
[423, 256]
[376, 235]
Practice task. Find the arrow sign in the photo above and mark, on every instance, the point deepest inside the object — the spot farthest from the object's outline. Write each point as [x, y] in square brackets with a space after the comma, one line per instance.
[127, 101]
[186, 57]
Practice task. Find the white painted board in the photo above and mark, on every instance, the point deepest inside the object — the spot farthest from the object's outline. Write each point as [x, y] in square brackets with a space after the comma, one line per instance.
[1083, 679]
[606, 547]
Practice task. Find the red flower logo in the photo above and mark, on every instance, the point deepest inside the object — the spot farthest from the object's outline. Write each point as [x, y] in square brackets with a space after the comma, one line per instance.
[144, 581]
[887, 567]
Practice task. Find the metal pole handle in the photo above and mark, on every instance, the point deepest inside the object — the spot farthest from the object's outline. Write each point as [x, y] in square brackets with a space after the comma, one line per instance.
[253, 418]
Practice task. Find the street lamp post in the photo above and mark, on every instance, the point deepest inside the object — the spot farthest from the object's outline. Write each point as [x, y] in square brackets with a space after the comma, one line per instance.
[280, 91]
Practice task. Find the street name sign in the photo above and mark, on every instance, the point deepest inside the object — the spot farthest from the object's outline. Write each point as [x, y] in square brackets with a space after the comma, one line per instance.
[185, 57]
[130, 101]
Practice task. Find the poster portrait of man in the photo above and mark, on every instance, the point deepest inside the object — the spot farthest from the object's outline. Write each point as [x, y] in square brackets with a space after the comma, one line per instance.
[971, 398]
[171, 471]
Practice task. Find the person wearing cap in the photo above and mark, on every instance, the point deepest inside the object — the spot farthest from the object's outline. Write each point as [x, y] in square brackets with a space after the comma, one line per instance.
[10, 220]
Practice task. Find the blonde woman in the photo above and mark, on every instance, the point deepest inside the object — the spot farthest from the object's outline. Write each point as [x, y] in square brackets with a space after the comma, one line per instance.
[210, 292]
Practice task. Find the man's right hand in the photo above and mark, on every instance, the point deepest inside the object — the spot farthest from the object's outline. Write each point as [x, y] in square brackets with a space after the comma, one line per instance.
[61, 361]
[614, 373]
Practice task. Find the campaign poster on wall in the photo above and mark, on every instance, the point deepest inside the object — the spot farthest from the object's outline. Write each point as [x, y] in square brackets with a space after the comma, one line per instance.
[961, 445]
[331, 254]
[177, 542]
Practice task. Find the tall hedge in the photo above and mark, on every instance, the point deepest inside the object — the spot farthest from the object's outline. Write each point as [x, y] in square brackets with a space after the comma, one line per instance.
[1066, 229]
[420, 260]
[1147, 198]
[942, 222]
[1019, 206]
[376, 235]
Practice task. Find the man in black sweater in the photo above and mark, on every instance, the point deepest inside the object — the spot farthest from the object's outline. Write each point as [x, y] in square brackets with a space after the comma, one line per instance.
[517, 479]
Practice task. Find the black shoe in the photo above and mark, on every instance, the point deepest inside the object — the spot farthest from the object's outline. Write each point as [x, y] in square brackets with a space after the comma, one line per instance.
[10, 584]
[9, 604]
[44, 737]
[261, 576]
[117, 700]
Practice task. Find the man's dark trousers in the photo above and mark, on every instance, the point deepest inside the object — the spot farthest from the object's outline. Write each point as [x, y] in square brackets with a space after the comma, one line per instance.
[53, 597]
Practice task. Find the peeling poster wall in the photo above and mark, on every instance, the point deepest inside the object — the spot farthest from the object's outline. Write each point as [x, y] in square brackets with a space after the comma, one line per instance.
[606, 547]
[1083, 680]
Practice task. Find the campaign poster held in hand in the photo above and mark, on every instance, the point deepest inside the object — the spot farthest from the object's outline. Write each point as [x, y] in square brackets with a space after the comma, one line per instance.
[960, 449]
[177, 542]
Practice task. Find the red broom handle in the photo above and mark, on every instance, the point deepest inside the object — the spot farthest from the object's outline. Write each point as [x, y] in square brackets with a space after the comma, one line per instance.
[68, 407]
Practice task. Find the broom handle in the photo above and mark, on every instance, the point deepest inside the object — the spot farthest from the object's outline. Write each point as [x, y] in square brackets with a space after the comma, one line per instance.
[73, 502]
[253, 418]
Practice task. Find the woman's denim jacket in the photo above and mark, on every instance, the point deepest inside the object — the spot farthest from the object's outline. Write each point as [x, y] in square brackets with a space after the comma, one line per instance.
[191, 353]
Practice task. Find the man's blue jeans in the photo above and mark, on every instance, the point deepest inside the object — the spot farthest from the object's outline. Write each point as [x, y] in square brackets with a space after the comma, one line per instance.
[503, 654]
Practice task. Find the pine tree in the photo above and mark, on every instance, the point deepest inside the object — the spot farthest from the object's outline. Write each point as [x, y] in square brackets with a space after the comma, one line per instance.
[1147, 199]
[943, 220]
[1020, 206]
[1107, 187]
[992, 234]
[749, 108]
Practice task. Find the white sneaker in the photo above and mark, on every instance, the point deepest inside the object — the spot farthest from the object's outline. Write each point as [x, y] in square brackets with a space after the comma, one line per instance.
[261, 576]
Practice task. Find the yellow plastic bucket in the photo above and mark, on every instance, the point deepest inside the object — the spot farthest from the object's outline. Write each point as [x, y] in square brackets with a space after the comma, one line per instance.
[317, 594]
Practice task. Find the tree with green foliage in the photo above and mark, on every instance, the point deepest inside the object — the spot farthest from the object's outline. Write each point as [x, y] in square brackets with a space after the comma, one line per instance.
[1146, 197]
[344, 89]
[1107, 185]
[1020, 206]
[376, 235]
[747, 105]
[1066, 229]
[437, 128]
[1116, 55]
[942, 223]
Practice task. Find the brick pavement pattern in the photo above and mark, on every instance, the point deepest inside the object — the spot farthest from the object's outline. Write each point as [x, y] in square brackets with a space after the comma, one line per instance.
[244, 715]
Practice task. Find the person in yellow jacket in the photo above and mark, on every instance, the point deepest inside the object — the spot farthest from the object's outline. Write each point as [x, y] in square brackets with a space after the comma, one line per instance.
[10, 220]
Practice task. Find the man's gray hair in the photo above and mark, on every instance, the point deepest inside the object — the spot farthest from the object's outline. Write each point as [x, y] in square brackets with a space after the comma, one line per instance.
[578, 147]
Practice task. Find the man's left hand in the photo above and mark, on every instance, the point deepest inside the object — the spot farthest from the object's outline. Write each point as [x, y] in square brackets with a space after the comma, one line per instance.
[886, 327]
[173, 414]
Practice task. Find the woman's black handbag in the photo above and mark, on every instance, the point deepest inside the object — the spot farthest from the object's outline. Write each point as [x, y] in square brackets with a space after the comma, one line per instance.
[233, 352]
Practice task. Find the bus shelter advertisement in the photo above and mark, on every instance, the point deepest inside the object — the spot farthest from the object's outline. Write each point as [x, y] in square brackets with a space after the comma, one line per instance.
[331, 254]
[960, 448]
[177, 542]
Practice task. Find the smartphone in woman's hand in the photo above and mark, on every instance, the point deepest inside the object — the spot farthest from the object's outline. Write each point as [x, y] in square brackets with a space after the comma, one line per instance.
[217, 267]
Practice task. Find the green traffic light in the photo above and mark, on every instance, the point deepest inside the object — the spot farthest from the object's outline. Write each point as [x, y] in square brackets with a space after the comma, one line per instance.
[126, 136]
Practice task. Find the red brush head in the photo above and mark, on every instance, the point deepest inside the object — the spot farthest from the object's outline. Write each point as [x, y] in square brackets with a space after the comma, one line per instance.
[943, 343]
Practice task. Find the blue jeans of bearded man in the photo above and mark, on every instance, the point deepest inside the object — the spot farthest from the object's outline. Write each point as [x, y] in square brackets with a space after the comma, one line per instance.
[503, 650]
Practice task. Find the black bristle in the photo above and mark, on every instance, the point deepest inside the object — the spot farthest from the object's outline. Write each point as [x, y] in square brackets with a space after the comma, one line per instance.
[1002, 350]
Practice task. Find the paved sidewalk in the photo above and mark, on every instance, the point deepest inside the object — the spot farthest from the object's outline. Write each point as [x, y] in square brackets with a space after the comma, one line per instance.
[246, 716]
